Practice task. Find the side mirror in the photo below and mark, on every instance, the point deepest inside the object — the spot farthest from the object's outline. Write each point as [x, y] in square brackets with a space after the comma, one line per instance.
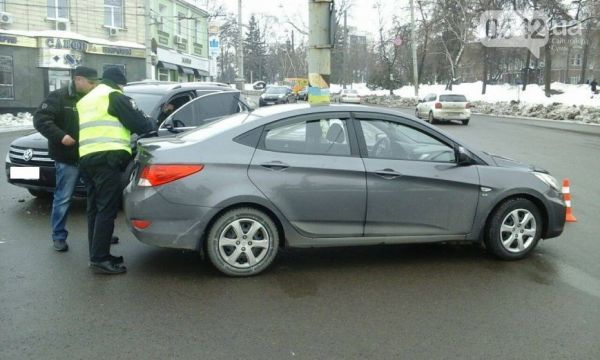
[463, 156]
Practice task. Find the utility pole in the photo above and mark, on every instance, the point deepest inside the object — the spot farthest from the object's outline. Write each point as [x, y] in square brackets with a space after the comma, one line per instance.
[413, 36]
[319, 50]
[345, 51]
[148, 41]
[240, 51]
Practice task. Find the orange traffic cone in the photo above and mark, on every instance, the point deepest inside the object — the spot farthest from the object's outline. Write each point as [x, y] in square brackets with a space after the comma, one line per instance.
[567, 194]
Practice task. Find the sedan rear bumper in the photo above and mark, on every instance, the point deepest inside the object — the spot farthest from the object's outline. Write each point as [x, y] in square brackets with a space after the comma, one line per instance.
[451, 115]
[171, 225]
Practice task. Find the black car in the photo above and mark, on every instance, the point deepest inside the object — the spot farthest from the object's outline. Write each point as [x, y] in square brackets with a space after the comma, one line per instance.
[277, 95]
[189, 105]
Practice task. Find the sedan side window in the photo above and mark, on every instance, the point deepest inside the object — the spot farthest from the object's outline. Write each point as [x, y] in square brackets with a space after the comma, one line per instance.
[391, 140]
[319, 136]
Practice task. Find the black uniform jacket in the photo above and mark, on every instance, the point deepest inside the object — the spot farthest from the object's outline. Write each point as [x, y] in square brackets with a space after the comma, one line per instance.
[57, 117]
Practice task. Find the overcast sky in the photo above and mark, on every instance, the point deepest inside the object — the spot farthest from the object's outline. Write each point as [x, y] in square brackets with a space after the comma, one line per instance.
[362, 15]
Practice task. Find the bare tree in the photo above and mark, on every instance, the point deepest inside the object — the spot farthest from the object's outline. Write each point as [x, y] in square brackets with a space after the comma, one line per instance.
[455, 20]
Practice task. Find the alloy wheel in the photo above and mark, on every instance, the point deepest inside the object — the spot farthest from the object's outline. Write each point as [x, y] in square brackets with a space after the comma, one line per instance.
[243, 243]
[518, 230]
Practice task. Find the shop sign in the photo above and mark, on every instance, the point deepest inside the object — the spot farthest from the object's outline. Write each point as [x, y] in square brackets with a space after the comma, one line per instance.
[116, 51]
[17, 40]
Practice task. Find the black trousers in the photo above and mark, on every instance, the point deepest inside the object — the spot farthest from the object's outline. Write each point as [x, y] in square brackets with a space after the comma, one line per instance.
[103, 185]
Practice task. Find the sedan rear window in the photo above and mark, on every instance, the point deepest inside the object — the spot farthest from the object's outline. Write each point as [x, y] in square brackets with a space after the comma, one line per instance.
[453, 98]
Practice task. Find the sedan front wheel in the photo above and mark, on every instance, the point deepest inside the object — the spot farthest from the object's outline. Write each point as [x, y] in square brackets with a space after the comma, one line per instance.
[242, 242]
[514, 229]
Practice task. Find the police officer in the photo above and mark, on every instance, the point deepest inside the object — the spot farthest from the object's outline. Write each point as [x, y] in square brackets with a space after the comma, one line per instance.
[106, 120]
[56, 119]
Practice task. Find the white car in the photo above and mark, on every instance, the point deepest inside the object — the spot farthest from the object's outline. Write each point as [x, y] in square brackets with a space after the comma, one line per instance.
[444, 107]
[349, 96]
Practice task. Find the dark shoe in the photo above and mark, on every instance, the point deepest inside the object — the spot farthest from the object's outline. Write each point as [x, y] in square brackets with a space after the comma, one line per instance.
[114, 240]
[117, 260]
[61, 245]
[107, 267]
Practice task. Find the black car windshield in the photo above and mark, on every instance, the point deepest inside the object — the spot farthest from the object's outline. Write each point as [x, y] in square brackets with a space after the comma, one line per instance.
[453, 98]
[275, 90]
[144, 101]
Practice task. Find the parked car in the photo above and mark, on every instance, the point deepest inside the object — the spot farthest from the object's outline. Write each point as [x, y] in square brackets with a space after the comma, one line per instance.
[244, 186]
[348, 96]
[209, 101]
[277, 95]
[303, 94]
[444, 107]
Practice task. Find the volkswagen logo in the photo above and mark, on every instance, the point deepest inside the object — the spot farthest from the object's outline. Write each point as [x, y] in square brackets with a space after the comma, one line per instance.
[28, 154]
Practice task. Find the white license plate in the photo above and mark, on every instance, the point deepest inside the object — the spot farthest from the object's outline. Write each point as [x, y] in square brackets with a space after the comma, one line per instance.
[25, 173]
[270, 103]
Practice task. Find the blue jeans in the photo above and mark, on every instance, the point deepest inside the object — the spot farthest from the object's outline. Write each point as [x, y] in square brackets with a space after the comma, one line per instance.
[66, 179]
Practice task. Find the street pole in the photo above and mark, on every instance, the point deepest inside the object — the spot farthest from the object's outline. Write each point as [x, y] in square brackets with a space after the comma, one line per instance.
[413, 35]
[240, 50]
[319, 50]
[148, 41]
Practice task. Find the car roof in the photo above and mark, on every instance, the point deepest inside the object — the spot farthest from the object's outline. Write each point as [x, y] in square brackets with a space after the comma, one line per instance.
[163, 87]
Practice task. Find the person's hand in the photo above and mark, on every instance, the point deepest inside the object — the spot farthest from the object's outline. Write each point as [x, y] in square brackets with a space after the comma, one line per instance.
[67, 140]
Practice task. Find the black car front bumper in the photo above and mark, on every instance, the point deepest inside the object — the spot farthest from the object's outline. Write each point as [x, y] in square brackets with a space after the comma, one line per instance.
[46, 181]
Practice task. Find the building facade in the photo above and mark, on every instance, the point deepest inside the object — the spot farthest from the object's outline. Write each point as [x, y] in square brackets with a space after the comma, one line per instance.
[41, 41]
[179, 40]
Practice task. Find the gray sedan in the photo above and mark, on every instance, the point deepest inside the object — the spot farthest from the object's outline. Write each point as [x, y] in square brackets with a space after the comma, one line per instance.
[243, 187]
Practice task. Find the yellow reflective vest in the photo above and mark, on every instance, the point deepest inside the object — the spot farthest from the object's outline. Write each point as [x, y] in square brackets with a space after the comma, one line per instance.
[98, 130]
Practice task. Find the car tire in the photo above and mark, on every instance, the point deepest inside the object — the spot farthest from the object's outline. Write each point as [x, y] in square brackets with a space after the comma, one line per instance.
[431, 119]
[417, 113]
[42, 194]
[514, 229]
[465, 122]
[224, 241]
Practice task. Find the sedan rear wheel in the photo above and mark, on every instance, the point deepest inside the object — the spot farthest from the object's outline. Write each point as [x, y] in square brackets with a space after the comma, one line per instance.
[431, 119]
[242, 242]
[514, 229]
[417, 113]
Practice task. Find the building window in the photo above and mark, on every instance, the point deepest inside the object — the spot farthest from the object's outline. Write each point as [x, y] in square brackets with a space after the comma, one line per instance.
[180, 27]
[162, 10]
[2, 5]
[576, 59]
[6, 78]
[163, 74]
[574, 80]
[113, 13]
[58, 9]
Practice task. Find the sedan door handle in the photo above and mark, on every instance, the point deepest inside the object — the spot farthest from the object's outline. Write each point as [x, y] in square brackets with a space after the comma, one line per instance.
[275, 165]
[388, 173]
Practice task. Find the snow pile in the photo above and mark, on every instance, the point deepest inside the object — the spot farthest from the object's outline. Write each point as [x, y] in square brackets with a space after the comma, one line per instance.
[10, 122]
[554, 111]
[534, 94]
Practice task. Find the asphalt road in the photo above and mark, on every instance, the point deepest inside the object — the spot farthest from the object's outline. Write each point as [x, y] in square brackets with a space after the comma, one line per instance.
[385, 302]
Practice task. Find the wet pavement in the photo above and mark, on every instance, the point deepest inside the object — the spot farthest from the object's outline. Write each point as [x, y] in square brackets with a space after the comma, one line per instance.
[383, 302]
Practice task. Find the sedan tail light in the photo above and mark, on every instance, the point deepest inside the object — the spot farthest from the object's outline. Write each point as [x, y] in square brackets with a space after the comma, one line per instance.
[438, 105]
[160, 174]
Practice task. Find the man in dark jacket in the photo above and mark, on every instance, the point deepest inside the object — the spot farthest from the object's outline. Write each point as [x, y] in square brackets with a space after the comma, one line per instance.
[593, 86]
[106, 120]
[56, 119]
